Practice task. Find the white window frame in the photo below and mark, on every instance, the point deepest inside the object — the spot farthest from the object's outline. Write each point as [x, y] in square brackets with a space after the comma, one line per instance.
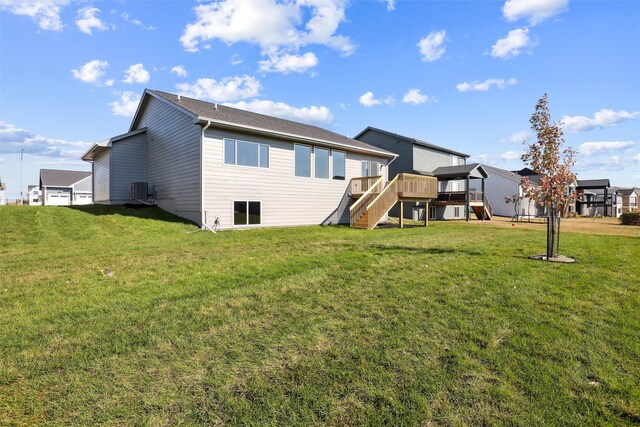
[332, 172]
[310, 161]
[456, 211]
[315, 171]
[235, 153]
[233, 213]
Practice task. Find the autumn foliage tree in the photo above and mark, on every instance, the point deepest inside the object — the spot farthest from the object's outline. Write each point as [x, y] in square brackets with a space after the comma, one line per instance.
[553, 164]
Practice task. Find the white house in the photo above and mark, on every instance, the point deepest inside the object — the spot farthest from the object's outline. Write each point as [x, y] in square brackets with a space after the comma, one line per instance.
[3, 199]
[33, 195]
[65, 188]
[501, 184]
[214, 164]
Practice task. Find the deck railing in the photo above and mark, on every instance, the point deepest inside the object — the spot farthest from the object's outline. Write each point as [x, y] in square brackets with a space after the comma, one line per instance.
[460, 196]
[362, 184]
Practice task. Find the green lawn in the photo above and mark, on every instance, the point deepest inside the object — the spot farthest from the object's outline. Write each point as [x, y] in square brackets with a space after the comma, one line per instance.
[445, 325]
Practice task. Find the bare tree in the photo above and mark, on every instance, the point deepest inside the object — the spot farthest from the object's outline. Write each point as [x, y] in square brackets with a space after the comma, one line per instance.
[553, 164]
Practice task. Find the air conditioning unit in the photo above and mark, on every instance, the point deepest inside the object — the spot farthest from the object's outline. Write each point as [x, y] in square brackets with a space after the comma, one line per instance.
[139, 190]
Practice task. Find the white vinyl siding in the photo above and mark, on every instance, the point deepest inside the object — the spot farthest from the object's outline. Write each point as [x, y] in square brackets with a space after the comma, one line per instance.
[173, 158]
[127, 166]
[101, 177]
[285, 199]
[427, 159]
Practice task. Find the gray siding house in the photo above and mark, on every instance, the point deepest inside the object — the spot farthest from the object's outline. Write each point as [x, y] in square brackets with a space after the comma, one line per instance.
[65, 188]
[459, 185]
[501, 184]
[217, 165]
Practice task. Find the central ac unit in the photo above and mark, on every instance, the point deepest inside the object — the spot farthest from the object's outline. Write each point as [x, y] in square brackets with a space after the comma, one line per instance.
[139, 190]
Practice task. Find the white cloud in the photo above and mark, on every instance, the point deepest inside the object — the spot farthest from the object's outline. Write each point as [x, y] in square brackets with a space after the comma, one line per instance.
[312, 115]
[612, 163]
[512, 44]
[601, 119]
[226, 90]
[87, 21]
[517, 137]
[236, 59]
[279, 28]
[136, 74]
[485, 85]
[506, 159]
[431, 47]
[289, 63]
[535, 11]
[591, 148]
[91, 72]
[179, 70]
[391, 5]
[510, 156]
[13, 139]
[413, 96]
[45, 12]
[127, 18]
[369, 100]
[127, 104]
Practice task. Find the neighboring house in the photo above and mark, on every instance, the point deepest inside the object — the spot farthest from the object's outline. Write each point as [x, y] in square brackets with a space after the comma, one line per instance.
[33, 195]
[3, 199]
[65, 188]
[221, 166]
[501, 184]
[629, 199]
[459, 185]
[596, 197]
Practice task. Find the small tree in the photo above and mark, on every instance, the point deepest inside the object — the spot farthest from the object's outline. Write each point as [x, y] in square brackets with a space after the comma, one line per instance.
[553, 164]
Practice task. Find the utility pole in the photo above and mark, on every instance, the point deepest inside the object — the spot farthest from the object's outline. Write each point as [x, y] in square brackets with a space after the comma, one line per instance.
[21, 155]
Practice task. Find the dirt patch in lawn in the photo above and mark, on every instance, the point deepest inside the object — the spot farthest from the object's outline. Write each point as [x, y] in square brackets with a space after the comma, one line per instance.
[602, 226]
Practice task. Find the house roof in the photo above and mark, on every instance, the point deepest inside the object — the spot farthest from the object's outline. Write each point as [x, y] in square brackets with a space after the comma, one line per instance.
[626, 191]
[472, 170]
[504, 173]
[412, 140]
[525, 172]
[593, 183]
[224, 116]
[104, 145]
[61, 178]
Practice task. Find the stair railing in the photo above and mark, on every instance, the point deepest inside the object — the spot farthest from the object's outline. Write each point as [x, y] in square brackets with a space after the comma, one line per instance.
[360, 206]
[379, 206]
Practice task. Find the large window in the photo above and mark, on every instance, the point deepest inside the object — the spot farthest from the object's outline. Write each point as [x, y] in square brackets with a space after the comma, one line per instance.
[322, 162]
[338, 164]
[243, 153]
[247, 213]
[303, 160]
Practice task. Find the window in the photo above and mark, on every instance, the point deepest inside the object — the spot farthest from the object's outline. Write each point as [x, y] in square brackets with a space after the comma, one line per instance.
[247, 213]
[338, 164]
[370, 168]
[322, 162]
[456, 212]
[243, 153]
[303, 160]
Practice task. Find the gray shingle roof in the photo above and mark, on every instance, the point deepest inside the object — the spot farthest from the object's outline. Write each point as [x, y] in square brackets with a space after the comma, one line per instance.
[593, 183]
[452, 172]
[505, 173]
[248, 119]
[61, 178]
[626, 191]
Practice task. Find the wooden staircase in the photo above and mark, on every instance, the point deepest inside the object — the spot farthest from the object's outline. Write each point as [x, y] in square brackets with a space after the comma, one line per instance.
[478, 211]
[374, 204]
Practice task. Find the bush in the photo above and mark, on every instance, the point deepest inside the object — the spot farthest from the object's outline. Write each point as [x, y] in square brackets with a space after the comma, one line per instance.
[630, 218]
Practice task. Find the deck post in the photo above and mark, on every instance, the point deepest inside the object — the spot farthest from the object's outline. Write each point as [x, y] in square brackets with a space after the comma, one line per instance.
[483, 205]
[426, 214]
[401, 214]
[468, 196]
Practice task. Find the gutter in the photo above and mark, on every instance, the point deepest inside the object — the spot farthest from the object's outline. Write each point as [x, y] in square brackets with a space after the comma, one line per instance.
[202, 213]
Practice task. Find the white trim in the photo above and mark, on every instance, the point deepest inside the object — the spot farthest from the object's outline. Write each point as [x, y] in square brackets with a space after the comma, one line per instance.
[233, 214]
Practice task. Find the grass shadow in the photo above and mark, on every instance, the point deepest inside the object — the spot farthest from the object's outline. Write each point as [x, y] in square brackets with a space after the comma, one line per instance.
[423, 251]
[146, 212]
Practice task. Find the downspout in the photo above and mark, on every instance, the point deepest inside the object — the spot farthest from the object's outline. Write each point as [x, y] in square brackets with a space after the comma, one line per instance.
[202, 214]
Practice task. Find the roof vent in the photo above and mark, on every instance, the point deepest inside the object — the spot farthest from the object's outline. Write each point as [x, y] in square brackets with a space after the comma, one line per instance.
[215, 106]
[178, 98]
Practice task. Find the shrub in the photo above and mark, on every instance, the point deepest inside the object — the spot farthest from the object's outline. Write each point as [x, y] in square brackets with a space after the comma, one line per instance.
[630, 218]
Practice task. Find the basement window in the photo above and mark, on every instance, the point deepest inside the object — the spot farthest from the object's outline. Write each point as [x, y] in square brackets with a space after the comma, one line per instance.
[247, 213]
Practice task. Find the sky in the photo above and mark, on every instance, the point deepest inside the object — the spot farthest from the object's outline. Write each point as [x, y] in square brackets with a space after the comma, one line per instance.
[465, 75]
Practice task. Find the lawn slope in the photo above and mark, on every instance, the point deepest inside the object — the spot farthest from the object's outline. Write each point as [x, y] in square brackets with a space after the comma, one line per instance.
[116, 316]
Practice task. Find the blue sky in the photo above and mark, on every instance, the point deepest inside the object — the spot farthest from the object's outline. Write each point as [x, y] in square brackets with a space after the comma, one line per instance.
[461, 74]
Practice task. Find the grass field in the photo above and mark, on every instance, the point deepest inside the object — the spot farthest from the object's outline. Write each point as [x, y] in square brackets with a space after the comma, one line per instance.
[117, 317]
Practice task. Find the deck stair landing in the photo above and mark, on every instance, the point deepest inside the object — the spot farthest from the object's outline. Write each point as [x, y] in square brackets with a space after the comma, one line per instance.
[380, 197]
